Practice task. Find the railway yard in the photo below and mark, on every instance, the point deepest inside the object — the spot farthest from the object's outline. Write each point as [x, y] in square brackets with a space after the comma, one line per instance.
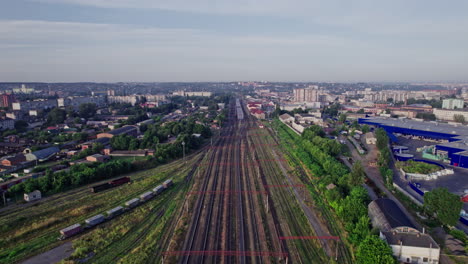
[237, 200]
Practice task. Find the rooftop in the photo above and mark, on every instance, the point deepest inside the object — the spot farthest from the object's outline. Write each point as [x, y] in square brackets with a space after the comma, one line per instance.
[393, 214]
[45, 153]
[410, 239]
[122, 130]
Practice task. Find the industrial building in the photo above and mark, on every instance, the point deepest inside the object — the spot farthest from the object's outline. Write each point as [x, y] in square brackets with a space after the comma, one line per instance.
[452, 139]
[408, 244]
[41, 155]
[125, 130]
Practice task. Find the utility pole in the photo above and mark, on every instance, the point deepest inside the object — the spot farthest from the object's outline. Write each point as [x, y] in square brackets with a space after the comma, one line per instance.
[4, 199]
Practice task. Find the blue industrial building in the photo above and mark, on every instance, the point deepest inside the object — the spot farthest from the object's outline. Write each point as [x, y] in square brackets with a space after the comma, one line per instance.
[453, 138]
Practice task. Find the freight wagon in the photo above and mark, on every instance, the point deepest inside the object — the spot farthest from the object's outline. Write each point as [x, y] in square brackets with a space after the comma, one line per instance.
[158, 189]
[110, 184]
[70, 231]
[120, 181]
[146, 196]
[114, 211]
[101, 187]
[97, 219]
[167, 183]
[132, 203]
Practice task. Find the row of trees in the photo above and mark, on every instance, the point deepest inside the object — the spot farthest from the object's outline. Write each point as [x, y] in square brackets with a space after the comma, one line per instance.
[385, 157]
[157, 133]
[58, 115]
[349, 199]
[78, 175]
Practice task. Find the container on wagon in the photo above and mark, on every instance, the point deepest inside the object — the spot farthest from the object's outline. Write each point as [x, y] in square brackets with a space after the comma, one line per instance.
[167, 183]
[158, 189]
[132, 203]
[146, 196]
[115, 211]
[71, 230]
[97, 219]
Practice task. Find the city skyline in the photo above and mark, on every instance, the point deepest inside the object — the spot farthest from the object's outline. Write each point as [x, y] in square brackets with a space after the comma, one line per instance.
[122, 40]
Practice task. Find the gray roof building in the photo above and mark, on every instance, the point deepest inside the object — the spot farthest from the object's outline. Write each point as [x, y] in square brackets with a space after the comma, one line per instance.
[41, 155]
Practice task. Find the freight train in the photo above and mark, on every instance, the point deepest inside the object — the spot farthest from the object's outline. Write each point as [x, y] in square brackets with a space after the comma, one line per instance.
[101, 218]
[111, 184]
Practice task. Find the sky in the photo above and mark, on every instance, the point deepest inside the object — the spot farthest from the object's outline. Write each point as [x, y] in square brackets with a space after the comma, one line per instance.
[233, 40]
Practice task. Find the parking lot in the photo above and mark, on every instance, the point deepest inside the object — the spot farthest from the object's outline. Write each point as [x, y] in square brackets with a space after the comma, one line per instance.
[456, 183]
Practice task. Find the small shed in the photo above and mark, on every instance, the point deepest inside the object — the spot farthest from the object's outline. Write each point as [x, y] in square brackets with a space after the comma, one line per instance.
[32, 196]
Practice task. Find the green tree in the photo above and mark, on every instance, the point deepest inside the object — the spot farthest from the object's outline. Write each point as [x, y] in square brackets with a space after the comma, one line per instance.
[357, 175]
[87, 110]
[444, 204]
[459, 118]
[313, 131]
[360, 111]
[120, 142]
[365, 129]
[56, 116]
[342, 118]
[374, 250]
[360, 231]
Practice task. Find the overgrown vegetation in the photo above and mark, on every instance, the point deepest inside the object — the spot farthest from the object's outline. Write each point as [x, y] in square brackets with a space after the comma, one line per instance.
[385, 157]
[412, 166]
[348, 199]
[444, 205]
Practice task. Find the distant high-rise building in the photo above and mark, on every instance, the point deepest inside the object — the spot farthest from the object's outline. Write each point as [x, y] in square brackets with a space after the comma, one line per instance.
[310, 94]
[111, 92]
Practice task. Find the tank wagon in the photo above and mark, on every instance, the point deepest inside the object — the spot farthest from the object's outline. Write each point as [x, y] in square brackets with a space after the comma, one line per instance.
[100, 218]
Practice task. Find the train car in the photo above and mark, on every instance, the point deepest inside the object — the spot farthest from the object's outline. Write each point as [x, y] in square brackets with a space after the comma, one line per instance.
[132, 203]
[158, 189]
[70, 231]
[120, 181]
[101, 187]
[115, 211]
[146, 196]
[97, 219]
[167, 183]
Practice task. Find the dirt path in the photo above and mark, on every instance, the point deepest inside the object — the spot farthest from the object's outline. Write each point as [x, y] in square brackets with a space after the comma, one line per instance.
[52, 256]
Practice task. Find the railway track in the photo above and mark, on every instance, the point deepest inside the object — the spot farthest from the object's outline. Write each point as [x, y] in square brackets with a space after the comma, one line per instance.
[229, 222]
